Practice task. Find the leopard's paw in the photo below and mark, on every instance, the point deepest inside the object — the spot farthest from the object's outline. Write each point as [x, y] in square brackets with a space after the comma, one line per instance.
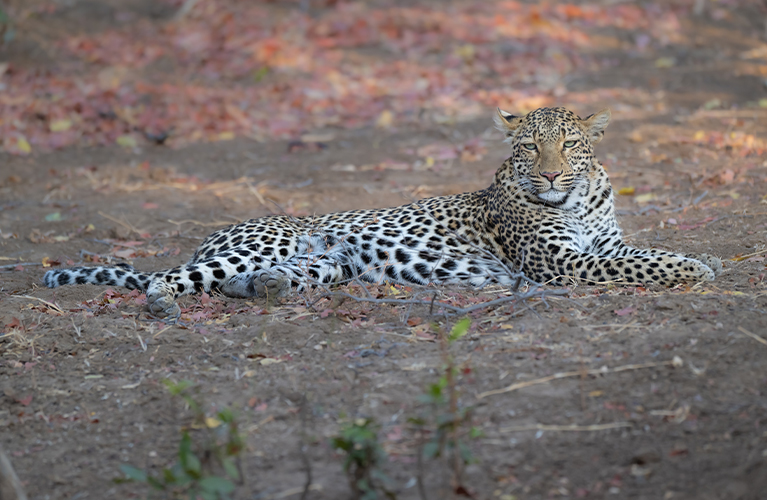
[712, 262]
[161, 303]
[271, 284]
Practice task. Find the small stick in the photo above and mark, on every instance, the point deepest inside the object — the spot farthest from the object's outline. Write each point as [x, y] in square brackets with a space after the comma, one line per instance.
[294, 491]
[752, 335]
[10, 485]
[141, 341]
[198, 223]
[161, 331]
[744, 257]
[572, 427]
[556, 376]
[126, 225]
[13, 266]
[49, 304]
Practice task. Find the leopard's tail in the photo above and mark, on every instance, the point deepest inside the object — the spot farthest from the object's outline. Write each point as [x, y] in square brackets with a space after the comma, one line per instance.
[114, 276]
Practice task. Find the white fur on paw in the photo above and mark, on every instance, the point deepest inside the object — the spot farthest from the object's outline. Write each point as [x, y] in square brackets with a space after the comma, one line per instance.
[713, 262]
[162, 305]
[269, 284]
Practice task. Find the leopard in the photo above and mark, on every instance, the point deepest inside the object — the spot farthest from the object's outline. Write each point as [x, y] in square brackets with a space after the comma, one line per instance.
[549, 214]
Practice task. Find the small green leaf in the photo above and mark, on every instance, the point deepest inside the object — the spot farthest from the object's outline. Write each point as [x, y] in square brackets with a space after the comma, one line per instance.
[205, 495]
[459, 330]
[216, 484]
[260, 74]
[133, 473]
[169, 476]
[53, 217]
[231, 468]
[154, 483]
[431, 450]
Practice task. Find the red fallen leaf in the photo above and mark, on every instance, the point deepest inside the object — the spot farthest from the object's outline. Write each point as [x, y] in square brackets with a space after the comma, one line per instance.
[677, 452]
[414, 321]
[686, 227]
[425, 336]
[125, 254]
[326, 313]
[25, 401]
[150, 206]
[261, 407]
[461, 490]
[15, 323]
[727, 176]
[625, 311]
[613, 406]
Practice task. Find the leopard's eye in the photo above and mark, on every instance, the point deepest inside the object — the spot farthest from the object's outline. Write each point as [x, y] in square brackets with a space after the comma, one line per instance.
[569, 144]
[530, 146]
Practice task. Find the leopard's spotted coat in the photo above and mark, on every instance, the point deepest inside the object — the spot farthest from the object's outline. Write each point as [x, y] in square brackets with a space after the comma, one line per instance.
[549, 211]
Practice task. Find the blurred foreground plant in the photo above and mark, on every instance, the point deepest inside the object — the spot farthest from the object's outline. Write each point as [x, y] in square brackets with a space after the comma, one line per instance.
[207, 468]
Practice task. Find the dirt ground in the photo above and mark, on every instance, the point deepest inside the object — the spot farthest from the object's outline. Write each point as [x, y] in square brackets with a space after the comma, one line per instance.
[82, 367]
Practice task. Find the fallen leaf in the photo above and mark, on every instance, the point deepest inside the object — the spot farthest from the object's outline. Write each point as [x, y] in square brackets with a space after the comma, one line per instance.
[23, 145]
[625, 311]
[60, 125]
[127, 141]
[385, 119]
[211, 422]
[627, 190]
[665, 62]
[644, 198]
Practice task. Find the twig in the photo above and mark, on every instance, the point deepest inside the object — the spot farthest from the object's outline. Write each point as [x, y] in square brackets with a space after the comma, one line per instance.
[10, 485]
[556, 376]
[454, 309]
[49, 304]
[302, 447]
[752, 335]
[697, 200]
[560, 428]
[124, 224]
[141, 341]
[186, 7]
[198, 223]
[419, 476]
[744, 257]
[293, 491]
[13, 266]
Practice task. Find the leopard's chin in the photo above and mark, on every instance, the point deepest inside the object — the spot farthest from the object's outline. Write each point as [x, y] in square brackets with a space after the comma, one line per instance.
[553, 197]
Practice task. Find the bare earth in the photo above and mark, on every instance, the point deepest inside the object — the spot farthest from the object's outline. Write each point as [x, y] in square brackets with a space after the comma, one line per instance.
[81, 367]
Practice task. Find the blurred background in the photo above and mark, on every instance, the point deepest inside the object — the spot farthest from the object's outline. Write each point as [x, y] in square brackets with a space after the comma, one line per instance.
[99, 72]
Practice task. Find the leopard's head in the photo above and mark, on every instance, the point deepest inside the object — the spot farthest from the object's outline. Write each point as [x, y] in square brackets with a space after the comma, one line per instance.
[550, 147]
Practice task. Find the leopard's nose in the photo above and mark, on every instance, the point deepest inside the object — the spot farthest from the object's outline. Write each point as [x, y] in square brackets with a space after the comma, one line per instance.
[551, 175]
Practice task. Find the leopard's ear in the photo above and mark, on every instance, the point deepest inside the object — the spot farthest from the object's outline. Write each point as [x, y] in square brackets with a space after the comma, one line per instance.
[507, 123]
[596, 125]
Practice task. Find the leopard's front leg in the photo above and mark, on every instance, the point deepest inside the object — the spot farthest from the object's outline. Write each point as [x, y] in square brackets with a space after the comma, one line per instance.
[637, 266]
